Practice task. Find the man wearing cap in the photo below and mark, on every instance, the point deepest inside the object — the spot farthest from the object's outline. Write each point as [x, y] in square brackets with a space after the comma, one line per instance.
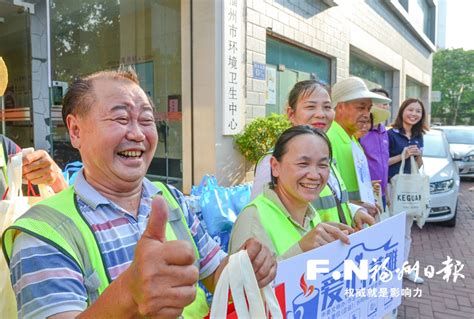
[375, 143]
[352, 101]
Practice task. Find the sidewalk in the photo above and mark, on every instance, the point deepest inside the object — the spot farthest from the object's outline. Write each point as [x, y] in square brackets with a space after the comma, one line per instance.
[431, 246]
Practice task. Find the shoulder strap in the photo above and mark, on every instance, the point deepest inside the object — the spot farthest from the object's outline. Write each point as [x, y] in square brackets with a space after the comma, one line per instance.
[176, 218]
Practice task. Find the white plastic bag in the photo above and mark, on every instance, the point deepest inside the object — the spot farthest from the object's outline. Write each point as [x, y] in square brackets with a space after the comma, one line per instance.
[12, 207]
[410, 193]
[239, 277]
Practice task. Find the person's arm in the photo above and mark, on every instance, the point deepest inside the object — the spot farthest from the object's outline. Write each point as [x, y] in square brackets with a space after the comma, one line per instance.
[354, 208]
[419, 160]
[394, 159]
[45, 281]
[372, 209]
[160, 281]
[419, 156]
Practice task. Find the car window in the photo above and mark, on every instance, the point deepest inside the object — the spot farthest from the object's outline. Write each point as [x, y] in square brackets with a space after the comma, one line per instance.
[434, 146]
[459, 136]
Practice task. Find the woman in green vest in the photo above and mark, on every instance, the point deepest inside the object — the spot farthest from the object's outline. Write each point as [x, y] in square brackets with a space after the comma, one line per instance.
[282, 217]
[309, 103]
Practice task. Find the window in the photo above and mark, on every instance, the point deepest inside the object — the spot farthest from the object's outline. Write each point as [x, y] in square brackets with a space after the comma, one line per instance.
[414, 89]
[373, 73]
[89, 36]
[288, 64]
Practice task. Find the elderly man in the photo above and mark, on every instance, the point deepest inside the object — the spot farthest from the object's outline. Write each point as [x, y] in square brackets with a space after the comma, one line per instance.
[353, 102]
[104, 248]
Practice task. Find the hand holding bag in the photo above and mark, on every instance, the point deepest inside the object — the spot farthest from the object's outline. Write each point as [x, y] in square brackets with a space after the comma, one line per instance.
[249, 301]
[12, 206]
[410, 192]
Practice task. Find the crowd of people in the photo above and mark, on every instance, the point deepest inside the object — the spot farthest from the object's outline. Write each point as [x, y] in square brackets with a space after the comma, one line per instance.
[116, 244]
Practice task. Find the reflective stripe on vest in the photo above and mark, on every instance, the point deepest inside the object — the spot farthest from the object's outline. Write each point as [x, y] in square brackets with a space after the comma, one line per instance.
[277, 225]
[330, 214]
[326, 205]
[354, 195]
[58, 222]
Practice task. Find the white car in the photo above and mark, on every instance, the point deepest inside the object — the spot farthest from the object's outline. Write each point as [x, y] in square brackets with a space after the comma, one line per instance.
[444, 178]
[461, 144]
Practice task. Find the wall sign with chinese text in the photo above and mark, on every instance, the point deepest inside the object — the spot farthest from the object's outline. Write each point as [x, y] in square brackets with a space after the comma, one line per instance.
[258, 71]
[232, 67]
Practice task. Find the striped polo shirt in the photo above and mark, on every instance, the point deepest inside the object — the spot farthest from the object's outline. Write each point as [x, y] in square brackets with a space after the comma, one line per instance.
[47, 282]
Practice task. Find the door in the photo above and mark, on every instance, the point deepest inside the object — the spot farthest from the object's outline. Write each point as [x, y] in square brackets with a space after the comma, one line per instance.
[15, 49]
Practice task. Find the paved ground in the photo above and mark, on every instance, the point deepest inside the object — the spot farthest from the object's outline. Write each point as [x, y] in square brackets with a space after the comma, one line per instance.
[431, 246]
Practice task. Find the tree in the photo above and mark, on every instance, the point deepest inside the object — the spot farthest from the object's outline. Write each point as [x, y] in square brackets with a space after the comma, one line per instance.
[453, 76]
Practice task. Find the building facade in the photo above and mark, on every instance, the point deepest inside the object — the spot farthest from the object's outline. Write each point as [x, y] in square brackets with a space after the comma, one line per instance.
[210, 66]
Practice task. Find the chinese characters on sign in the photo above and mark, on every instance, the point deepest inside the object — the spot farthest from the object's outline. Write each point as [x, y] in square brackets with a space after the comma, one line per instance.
[232, 52]
[359, 280]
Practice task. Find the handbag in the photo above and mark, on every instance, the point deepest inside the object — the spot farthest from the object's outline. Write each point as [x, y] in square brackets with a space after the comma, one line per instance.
[248, 300]
[12, 206]
[410, 193]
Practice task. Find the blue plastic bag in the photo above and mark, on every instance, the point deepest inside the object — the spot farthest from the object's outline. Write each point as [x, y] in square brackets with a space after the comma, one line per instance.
[217, 209]
[70, 171]
[240, 196]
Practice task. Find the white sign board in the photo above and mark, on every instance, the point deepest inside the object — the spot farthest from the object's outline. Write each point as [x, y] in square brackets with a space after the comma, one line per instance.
[231, 65]
[435, 96]
[305, 289]
[363, 174]
[271, 75]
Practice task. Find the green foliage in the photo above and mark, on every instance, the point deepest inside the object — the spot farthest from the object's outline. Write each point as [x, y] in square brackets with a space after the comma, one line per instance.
[260, 136]
[452, 70]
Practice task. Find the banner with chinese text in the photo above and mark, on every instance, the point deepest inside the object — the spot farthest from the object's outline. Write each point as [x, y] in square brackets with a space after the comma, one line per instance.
[360, 280]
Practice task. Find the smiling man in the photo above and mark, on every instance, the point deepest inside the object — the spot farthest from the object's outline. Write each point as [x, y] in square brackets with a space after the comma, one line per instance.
[352, 101]
[115, 244]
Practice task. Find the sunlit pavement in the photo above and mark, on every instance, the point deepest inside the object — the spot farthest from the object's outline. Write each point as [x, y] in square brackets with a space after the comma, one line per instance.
[431, 246]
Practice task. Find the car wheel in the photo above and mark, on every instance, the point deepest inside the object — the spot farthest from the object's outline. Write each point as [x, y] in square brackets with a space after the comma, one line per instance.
[452, 222]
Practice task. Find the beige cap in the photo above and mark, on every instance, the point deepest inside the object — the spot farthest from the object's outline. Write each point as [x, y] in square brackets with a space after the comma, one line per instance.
[353, 88]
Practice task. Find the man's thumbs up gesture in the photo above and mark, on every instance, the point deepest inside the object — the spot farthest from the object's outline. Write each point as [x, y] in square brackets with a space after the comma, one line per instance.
[163, 275]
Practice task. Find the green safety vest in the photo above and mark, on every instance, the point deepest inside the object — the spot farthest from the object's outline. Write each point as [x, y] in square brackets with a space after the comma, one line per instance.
[58, 222]
[277, 225]
[326, 205]
[341, 144]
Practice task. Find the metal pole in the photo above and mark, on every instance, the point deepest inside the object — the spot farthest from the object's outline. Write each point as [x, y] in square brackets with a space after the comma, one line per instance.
[3, 114]
[457, 104]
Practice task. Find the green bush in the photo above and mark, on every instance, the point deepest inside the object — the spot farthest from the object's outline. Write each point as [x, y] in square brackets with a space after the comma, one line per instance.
[259, 136]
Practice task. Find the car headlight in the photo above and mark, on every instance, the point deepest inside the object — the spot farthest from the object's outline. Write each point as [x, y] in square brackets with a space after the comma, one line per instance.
[468, 158]
[441, 187]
